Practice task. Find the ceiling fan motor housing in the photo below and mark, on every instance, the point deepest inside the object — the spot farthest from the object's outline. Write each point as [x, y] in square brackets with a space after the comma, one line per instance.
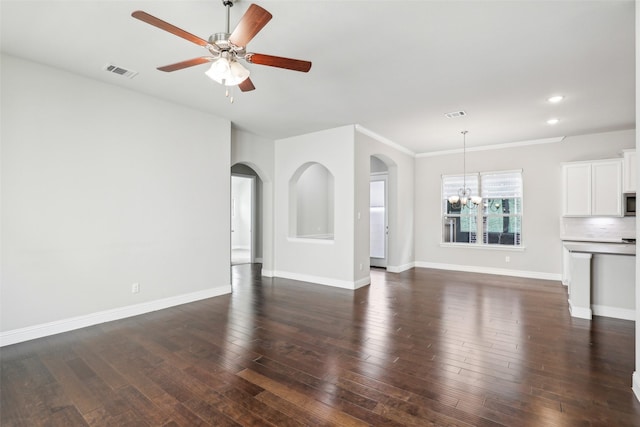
[220, 39]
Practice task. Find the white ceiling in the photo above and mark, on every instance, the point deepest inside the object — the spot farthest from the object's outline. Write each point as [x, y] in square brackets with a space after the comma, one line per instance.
[394, 67]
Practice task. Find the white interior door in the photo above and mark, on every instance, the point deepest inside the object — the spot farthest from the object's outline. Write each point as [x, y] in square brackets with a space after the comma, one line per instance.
[378, 224]
[242, 190]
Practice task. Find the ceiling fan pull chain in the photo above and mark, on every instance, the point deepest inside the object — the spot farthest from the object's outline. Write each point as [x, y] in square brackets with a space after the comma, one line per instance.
[229, 93]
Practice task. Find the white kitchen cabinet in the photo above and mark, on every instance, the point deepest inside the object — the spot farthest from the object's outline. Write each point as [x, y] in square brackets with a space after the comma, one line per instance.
[629, 171]
[592, 188]
[576, 189]
[606, 181]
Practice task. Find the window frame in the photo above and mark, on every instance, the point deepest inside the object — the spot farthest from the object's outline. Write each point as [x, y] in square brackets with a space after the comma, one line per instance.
[479, 241]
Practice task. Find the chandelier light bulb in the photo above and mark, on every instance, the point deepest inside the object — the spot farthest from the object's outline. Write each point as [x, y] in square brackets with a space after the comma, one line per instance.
[237, 74]
[227, 72]
[219, 70]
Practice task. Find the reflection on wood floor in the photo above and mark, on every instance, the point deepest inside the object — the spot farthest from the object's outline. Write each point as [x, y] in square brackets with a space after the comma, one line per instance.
[423, 347]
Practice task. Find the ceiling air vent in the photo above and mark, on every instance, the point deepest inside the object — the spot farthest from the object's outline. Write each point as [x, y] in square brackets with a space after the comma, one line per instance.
[120, 71]
[455, 114]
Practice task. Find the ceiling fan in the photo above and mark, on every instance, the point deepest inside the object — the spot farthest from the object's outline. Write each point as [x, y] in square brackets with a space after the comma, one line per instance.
[227, 48]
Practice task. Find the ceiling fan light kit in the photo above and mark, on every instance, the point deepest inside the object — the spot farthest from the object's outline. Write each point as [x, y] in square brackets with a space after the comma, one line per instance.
[227, 72]
[226, 48]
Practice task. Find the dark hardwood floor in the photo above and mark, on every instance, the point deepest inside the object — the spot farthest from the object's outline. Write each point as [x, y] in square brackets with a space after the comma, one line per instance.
[424, 347]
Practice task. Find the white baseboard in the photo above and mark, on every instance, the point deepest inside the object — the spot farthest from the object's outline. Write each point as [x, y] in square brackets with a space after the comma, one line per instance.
[615, 312]
[327, 281]
[258, 260]
[267, 273]
[635, 384]
[362, 282]
[491, 270]
[46, 329]
[580, 312]
[400, 268]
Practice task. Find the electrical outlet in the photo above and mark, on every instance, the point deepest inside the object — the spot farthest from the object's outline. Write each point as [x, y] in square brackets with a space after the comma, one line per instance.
[360, 266]
[135, 288]
[507, 259]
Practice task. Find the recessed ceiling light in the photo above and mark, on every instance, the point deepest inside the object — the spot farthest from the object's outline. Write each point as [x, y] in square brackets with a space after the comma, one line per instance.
[555, 99]
[552, 121]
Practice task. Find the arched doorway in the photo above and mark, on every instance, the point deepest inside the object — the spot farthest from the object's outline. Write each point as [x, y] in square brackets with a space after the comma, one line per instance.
[378, 213]
[246, 215]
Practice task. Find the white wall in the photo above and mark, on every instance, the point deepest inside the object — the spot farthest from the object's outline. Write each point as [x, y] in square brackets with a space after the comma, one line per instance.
[542, 256]
[613, 286]
[317, 260]
[258, 153]
[103, 187]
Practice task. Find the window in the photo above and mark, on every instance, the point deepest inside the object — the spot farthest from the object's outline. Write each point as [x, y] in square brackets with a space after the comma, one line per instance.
[460, 221]
[496, 221]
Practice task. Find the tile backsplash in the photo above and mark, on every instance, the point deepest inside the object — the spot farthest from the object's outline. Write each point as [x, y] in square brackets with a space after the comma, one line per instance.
[598, 227]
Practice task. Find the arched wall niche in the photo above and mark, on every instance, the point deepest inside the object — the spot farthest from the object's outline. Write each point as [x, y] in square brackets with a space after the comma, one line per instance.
[312, 202]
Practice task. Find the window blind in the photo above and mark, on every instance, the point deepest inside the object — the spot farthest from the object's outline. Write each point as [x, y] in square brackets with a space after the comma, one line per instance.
[452, 183]
[501, 185]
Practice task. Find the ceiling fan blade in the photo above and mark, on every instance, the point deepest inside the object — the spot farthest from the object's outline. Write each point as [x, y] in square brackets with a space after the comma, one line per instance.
[156, 22]
[185, 64]
[278, 61]
[246, 85]
[250, 24]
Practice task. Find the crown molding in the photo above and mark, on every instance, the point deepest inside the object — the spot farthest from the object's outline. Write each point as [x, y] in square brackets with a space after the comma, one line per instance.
[494, 146]
[363, 130]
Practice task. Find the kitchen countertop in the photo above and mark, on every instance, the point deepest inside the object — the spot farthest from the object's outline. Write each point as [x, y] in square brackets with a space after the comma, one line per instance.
[598, 239]
[601, 247]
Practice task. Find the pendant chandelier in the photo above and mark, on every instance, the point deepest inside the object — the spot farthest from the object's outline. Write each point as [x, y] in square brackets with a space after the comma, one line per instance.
[464, 197]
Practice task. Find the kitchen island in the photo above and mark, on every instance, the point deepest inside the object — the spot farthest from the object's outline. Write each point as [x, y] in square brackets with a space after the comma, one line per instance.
[601, 278]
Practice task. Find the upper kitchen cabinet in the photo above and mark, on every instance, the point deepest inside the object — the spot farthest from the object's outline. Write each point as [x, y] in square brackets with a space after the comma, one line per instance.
[629, 171]
[606, 194]
[592, 188]
[576, 189]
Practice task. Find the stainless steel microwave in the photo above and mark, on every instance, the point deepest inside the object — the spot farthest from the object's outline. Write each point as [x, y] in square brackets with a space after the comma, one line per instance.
[630, 204]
